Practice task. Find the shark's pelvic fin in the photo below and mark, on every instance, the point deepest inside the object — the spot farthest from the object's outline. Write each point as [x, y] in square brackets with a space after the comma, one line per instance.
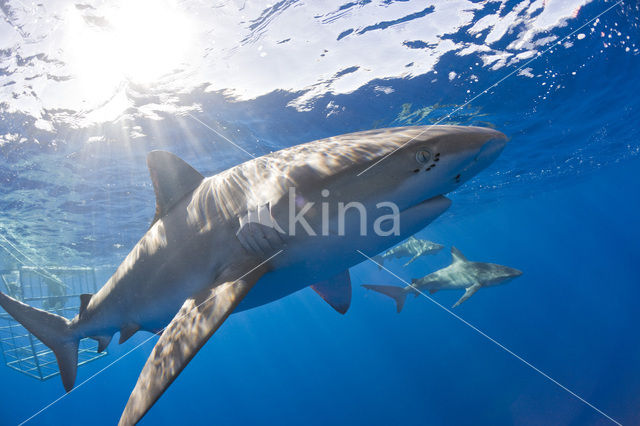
[172, 179]
[396, 293]
[457, 255]
[467, 294]
[53, 330]
[127, 331]
[189, 330]
[336, 291]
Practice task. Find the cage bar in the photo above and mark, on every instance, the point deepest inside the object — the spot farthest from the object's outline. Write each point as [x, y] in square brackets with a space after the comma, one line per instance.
[53, 289]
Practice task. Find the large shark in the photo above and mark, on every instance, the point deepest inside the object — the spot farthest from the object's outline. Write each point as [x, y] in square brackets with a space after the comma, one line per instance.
[460, 274]
[413, 248]
[217, 245]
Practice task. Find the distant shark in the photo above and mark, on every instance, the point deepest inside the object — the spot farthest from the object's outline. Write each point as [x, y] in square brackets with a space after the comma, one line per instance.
[461, 274]
[413, 248]
[216, 245]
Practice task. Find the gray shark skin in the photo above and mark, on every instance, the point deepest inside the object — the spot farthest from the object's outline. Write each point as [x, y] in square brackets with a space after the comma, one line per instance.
[209, 251]
[413, 248]
[460, 274]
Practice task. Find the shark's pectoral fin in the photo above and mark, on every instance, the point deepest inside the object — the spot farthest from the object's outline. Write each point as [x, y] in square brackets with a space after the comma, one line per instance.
[432, 291]
[336, 291]
[379, 260]
[467, 294]
[412, 259]
[189, 330]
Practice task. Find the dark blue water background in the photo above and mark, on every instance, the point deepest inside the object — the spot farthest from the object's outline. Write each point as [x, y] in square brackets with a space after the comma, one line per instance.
[561, 204]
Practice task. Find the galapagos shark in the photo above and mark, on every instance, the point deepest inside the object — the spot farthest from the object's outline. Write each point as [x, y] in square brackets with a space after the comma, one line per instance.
[221, 244]
[460, 274]
[413, 248]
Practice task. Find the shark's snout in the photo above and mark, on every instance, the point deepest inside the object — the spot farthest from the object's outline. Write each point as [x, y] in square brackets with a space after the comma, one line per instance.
[492, 148]
[483, 153]
[511, 273]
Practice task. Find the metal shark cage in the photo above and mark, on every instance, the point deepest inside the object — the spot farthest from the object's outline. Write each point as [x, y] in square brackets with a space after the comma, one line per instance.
[55, 290]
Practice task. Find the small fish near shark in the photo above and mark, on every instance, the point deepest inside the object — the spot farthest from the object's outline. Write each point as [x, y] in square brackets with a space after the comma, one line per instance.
[460, 274]
[213, 248]
[413, 248]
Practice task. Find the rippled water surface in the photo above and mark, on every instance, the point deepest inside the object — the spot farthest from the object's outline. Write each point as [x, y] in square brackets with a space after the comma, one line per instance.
[87, 89]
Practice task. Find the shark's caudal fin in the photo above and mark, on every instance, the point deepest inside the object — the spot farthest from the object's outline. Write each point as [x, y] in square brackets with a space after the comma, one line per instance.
[53, 330]
[396, 293]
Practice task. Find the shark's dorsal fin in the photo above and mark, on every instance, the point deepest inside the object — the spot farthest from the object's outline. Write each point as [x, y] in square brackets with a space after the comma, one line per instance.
[172, 179]
[457, 255]
[84, 302]
[336, 291]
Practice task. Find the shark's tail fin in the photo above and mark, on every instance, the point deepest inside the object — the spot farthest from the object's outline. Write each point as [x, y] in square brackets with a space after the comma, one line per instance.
[396, 293]
[53, 330]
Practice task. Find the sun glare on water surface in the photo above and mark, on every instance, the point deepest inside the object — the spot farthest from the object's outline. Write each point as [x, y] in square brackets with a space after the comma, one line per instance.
[140, 41]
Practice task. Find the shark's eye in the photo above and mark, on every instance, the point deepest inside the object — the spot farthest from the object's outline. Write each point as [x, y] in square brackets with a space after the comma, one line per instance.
[423, 157]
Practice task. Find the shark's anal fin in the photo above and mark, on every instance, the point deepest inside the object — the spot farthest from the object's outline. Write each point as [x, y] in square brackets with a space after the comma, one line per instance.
[467, 294]
[172, 179]
[336, 291]
[189, 330]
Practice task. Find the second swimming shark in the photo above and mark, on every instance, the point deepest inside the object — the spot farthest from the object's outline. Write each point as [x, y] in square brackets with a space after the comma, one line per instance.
[413, 247]
[461, 274]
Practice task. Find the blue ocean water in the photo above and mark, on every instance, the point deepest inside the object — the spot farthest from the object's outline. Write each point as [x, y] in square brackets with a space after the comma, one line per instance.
[561, 204]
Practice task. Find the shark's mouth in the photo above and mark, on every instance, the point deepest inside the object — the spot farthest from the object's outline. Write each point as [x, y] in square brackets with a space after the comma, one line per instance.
[425, 211]
[418, 216]
[434, 202]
